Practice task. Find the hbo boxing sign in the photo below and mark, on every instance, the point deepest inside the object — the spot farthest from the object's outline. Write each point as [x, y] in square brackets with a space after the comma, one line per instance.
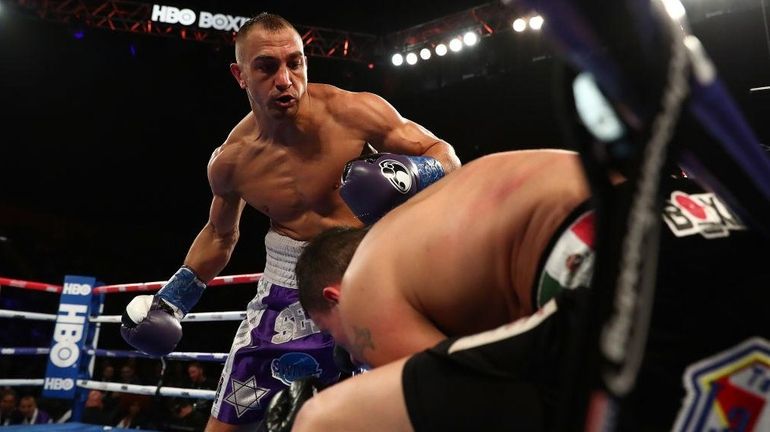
[69, 338]
[187, 17]
[67, 333]
[59, 384]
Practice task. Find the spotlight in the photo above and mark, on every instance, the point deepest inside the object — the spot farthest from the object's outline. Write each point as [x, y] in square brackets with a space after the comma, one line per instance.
[536, 22]
[411, 58]
[425, 53]
[397, 59]
[441, 50]
[519, 25]
[455, 45]
[470, 38]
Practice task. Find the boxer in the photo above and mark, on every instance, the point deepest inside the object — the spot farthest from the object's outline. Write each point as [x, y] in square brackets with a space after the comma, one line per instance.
[284, 158]
[463, 298]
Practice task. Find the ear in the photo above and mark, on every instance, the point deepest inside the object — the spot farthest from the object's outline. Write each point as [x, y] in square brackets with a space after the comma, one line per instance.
[332, 293]
[235, 70]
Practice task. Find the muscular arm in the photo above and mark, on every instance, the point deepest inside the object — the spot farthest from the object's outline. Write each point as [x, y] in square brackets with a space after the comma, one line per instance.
[211, 249]
[389, 132]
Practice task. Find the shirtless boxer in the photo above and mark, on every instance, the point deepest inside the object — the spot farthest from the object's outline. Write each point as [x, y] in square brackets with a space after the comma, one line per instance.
[486, 246]
[285, 159]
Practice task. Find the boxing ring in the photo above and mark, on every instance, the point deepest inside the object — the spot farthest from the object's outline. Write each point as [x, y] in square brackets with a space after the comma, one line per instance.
[74, 345]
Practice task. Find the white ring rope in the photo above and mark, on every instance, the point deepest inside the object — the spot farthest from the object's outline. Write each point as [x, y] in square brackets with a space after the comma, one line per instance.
[198, 317]
[146, 390]
[5, 313]
[204, 356]
[21, 382]
[24, 351]
[179, 356]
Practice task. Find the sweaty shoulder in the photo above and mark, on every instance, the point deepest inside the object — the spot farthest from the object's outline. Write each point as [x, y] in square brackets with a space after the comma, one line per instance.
[221, 166]
[357, 110]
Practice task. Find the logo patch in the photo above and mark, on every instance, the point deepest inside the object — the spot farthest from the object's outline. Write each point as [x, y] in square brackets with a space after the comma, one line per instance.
[293, 366]
[728, 391]
[704, 214]
[245, 395]
[397, 174]
[292, 324]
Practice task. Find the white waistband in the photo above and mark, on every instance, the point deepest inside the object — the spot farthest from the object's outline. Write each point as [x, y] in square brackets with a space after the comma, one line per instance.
[282, 254]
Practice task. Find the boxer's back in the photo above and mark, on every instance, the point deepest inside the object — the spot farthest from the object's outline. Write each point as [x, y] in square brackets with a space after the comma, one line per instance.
[477, 248]
[292, 175]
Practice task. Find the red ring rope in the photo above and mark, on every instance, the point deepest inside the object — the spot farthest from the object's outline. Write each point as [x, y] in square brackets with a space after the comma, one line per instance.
[38, 286]
[154, 286]
[132, 287]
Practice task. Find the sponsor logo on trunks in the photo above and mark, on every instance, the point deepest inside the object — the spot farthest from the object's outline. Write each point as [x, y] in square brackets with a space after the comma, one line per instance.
[728, 391]
[293, 366]
[292, 324]
[704, 214]
[397, 174]
[570, 261]
[245, 395]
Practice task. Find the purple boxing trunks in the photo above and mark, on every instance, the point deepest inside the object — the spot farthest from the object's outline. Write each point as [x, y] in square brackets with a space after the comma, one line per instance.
[275, 344]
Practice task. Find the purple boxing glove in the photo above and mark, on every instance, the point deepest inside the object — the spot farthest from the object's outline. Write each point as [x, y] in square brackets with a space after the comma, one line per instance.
[374, 184]
[149, 325]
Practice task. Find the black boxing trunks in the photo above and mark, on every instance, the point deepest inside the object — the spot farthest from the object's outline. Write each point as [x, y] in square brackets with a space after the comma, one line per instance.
[707, 361]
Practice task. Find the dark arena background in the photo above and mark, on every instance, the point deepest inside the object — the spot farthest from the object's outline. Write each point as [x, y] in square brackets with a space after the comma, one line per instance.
[106, 130]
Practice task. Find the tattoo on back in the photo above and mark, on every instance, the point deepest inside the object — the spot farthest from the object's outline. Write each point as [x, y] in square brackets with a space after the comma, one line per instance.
[361, 341]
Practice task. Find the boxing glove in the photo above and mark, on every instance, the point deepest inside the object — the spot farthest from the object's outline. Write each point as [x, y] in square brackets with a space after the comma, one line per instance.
[345, 363]
[151, 324]
[374, 184]
[283, 408]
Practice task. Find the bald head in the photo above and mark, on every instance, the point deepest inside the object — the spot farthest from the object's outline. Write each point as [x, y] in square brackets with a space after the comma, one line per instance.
[265, 22]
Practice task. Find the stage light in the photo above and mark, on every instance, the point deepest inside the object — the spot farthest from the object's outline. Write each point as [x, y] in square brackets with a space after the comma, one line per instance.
[455, 45]
[519, 25]
[411, 58]
[536, 22]
[441, 50]
[470, 38]
[397, 59]
[425, 53]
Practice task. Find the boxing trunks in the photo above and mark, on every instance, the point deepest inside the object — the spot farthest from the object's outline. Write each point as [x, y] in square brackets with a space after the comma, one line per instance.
[275, 344]
[707, 360]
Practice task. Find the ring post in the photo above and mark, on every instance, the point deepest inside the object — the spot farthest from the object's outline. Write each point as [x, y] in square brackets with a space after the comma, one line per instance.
[70, 333]
[86, 368]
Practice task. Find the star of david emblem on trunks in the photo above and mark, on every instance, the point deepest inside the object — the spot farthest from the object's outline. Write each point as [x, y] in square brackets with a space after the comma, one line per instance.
[245, 395]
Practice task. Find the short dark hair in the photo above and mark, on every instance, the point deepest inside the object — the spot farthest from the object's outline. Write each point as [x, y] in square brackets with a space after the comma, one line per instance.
[323, 262]
[265, 21]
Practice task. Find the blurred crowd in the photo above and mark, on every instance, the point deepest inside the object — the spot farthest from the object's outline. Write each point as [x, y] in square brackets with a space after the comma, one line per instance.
[124, 410]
